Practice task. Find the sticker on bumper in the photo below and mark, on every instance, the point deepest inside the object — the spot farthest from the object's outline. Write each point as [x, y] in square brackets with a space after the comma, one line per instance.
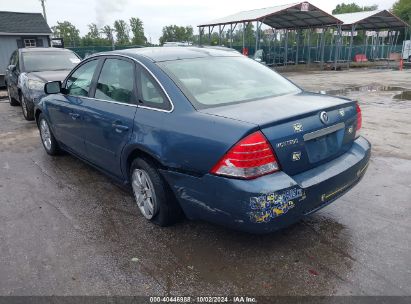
[269, 206]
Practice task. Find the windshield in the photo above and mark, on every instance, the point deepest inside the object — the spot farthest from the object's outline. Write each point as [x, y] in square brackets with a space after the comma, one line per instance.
[216, 81]
[49, 61]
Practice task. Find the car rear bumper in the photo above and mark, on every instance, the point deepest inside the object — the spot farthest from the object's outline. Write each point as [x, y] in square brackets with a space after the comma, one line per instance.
[273, 201]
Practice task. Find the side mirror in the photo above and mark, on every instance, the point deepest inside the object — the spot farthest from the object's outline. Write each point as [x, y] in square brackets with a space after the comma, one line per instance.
[52, 87]
[11, 67]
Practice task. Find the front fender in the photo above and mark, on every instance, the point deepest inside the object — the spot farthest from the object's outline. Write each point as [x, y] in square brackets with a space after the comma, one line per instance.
[41, 106]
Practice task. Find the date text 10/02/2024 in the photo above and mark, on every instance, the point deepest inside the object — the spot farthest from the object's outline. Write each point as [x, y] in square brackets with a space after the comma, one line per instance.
[203, 299]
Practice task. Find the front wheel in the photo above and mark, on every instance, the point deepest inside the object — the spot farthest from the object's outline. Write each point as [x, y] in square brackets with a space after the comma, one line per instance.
[28, 108]
[47, 138]
[152, 195]
[13, 102]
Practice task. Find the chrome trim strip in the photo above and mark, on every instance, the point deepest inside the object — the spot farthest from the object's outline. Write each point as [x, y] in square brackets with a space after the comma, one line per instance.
[109, 101]
[135, 105]
[324, 131]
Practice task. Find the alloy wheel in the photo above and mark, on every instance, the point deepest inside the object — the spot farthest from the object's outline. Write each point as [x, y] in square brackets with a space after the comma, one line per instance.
[45, 134]
[8, 93]
[24, 106]
[144, 193]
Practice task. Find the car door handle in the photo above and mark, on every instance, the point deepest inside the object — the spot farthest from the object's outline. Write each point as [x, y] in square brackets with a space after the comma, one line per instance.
[119, 127]
[74, 116]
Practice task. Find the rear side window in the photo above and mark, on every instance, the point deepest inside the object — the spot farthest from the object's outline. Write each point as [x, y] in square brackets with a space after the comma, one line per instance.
[79, 82]
[217, 81]
[116, 81]
[151, 93]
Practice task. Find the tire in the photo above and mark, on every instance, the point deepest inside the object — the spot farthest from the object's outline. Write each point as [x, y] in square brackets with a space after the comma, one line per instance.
[27, 107]
[47, 138]
[153, 194]
[13, 102]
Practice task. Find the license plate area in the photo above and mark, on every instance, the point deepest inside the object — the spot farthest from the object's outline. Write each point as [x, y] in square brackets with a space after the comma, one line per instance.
[324, 143]
[322, 147]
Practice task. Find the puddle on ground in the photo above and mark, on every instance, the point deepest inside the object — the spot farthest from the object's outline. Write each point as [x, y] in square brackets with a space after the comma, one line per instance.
[404, 95]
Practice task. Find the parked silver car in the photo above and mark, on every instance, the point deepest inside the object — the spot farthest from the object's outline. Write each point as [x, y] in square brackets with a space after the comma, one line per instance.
[30, 68]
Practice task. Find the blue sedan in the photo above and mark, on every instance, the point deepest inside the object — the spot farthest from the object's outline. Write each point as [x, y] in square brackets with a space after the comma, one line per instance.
[208, 134]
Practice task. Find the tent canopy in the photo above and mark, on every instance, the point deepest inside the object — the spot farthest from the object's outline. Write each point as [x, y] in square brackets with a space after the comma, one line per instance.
[372, 20]
[291, 16]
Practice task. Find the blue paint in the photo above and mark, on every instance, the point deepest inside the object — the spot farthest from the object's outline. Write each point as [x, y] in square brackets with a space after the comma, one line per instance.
[187, 143]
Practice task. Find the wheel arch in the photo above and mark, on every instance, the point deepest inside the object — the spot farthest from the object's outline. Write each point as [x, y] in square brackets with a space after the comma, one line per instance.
[37, 113]
[132, 153]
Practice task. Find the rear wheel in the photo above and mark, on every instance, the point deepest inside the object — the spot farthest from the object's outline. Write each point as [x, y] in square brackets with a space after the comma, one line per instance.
[47, 138]
[28, 108]
[13, 102]
[152, 195]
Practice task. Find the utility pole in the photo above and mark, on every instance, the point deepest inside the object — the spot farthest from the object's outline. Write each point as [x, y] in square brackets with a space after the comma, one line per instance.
[44, 9]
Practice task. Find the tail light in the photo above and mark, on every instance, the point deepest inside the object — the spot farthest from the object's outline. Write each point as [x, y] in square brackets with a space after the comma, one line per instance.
[359, 120]
[359, 117]
[249, 158]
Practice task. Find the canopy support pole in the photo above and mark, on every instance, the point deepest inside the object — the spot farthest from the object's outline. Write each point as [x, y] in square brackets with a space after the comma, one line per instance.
[231, 35]
[322, 47]
[309, 46]
[351, 42]
[337, 45]
[242, 51]
[298, 34]
[256, 38]
[286, 48]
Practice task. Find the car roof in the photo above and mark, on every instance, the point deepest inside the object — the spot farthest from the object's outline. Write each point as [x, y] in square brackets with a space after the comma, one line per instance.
[158, 54]
[43, 49]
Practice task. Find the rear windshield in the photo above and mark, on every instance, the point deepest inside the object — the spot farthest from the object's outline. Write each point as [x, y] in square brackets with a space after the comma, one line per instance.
[49, 61]
[216, 81]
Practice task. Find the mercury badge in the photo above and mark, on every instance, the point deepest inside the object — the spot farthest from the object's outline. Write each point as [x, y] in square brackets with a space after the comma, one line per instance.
[298, 127]
[342, 112]
[324, 117]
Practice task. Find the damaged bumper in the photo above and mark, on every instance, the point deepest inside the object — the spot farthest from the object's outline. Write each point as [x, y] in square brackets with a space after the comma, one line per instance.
[273, 201]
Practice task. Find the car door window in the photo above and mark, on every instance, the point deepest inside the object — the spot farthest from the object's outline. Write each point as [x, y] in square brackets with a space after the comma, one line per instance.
[116, 81]
[151, 94]
[79, 82]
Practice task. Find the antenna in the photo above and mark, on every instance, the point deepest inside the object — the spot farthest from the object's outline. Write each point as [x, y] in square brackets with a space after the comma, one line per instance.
[44, 9]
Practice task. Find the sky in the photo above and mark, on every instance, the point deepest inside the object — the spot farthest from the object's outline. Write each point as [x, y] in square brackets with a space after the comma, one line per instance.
[155, 13]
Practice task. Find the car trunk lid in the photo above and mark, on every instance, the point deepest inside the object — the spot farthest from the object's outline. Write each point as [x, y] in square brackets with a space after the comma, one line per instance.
[293, 126]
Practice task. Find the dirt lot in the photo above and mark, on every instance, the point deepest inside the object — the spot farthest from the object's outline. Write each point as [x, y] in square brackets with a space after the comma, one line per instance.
[66, 229]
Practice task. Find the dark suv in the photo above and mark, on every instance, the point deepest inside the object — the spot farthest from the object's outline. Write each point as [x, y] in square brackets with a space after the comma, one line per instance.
[30, 68]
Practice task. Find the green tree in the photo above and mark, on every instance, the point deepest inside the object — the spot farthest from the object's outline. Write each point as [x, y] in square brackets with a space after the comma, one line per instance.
[93, 32]
[249, 35]
[137, 29]
[108, 31]
[93, 37]
[174, 33]
[344, 8]
[122, 32]
[67, 31]
[402, 9]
